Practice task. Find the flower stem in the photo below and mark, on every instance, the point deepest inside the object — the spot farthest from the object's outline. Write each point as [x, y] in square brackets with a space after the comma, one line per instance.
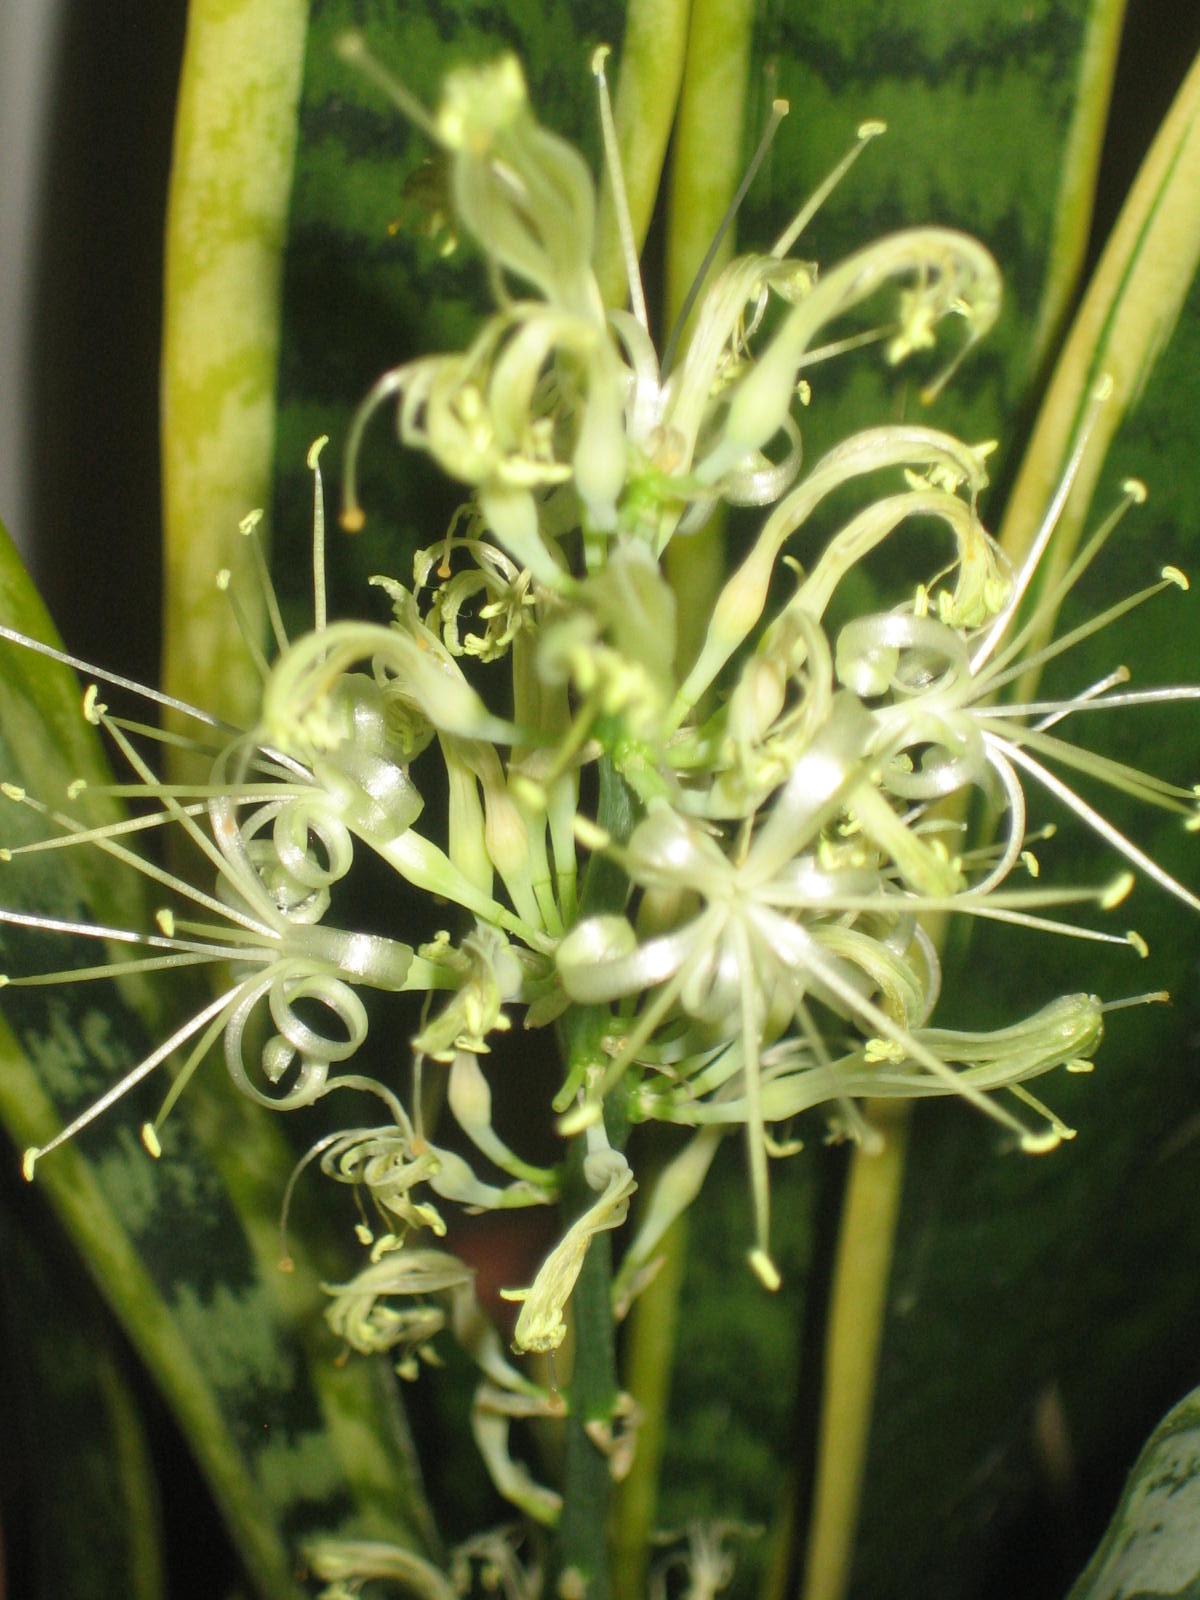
[583, 1551]
[650, 1355]
[587, 1482]
[652, 54]
[861, 1274]
[704, 177]
[231, 179]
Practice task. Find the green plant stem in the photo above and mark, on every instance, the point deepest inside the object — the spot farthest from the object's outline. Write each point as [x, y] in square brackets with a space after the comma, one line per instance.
[231, 179]
[652, 54]
[583, 1551]
[1077, 179]
[861, 1274]
[704, 177]
[582, 1546]
[651, 1335]
[587, 1481]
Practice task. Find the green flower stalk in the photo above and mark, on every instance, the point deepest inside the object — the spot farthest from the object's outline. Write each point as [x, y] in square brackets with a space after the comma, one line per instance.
[762, 951]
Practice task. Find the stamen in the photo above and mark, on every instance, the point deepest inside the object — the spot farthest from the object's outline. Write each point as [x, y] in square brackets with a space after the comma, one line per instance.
[353, 518]
[115, 679]
[841, 347]
[118, 969]
[1010, 664]
[868, 1138]
[616, 175]
[1032, 1143]
[760, 1192]
[1129, 780]
[866, 132]
[144, 1068]
[1156, 997]
[249, 527]
[352, 48]
[1102, 393]
[1095, 699]
[1118, 891]
[247, 632]
[1103, 827]
[102, 838]
[183, 1077]
[164, 736]
[91, 930]
[248, 889]
[1092, 693]
[318, 552]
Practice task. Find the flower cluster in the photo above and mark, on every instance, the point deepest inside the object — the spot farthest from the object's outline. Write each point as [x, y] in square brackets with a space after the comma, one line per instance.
[728, 863]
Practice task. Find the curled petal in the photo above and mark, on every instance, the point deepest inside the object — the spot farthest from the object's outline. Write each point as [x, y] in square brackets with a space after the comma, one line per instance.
[900, 652]
[298, 1050]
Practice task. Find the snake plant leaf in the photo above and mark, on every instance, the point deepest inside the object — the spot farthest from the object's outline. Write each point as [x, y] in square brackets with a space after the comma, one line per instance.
[185, 1251]
[71, 1428]
[1150, 1549]
[1042, 1313]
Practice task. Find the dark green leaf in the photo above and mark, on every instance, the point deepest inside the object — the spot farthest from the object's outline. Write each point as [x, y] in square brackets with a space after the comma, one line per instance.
[76, 1476]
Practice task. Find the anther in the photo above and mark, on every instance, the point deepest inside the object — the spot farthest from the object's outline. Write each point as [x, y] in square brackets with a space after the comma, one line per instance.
[1118, 890]
[590, 835]
[764, 1269]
